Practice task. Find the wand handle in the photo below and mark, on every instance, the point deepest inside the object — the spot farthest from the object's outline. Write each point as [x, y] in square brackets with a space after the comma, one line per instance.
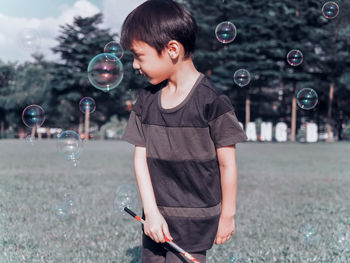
[172, 244]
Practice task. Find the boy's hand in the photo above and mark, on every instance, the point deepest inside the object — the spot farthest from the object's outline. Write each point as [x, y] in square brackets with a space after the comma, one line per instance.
[156, 227]
[225, 230]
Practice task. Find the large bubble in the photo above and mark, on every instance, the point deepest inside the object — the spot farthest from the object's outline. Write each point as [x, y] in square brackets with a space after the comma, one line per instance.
[294, 57]
[69, 144]
[307, 99]
[28, 39]
[126, 195]
[87, 104]
[33, 116]
[242, 77]
[330, 10]
[225, 32]
[114, 48]
[105, 71]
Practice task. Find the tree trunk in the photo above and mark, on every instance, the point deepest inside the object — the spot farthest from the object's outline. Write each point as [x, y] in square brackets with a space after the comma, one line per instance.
[80, 129]
[208, 72]
[2, 129]
[48, 133]
[247, 109]
[294, 115]
[102, 132]
[87, 123]
[340, 120]
[329, 115]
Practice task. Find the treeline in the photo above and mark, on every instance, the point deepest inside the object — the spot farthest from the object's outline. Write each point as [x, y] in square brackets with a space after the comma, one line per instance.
[266, 32]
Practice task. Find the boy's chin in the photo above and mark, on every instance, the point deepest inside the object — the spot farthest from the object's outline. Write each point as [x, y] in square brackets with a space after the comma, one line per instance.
[154, 81]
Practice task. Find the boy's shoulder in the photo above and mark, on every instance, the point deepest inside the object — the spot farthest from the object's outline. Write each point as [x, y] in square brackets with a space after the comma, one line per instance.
[208, 89]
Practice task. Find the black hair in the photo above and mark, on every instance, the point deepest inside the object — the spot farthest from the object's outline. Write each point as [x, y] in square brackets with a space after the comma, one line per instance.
[156, 22]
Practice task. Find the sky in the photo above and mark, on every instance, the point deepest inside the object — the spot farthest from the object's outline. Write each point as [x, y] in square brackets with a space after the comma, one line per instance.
[32, 25]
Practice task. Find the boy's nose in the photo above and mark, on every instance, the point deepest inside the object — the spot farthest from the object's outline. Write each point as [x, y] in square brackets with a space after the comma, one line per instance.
[135, 65]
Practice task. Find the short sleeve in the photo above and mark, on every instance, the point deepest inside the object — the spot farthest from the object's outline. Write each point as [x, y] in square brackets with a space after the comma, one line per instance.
[224, 127]
[134, 131]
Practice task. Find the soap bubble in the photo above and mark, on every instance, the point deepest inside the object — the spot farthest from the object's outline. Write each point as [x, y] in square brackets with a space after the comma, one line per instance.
[28, 39]
[225, 32]
[341, 240]
[234, 257]
[330, 10]
[87, 103]
[30, 139]
[294, 57]
[70, 145]
[33, 116]
[126, 195]
[61, 211]
[105, 72]
[66, 208]
[114, 48]
[242, 77]
[307, 99]
[308, 229]
[309, 234]
[243, 260]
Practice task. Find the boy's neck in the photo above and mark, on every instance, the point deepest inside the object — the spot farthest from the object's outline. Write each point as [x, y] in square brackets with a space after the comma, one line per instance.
[183, 77]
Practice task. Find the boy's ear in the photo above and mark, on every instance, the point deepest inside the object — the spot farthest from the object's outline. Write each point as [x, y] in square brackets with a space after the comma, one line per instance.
[174, 49]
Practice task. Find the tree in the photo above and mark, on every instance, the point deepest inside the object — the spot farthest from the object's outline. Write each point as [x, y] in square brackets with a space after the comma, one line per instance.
[78, 44]
[267, 31]
[29, 85]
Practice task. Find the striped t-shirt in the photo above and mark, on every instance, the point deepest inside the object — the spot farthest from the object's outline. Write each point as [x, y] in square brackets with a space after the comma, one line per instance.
[181, 155]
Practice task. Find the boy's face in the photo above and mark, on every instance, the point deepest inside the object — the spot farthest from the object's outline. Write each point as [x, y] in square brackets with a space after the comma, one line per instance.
[156, 68]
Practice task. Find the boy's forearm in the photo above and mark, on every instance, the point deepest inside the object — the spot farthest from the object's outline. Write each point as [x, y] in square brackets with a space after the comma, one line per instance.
[145, 185]
[229, 190]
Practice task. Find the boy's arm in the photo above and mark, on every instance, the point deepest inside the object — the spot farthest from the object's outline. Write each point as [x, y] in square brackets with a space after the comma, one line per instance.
[155, 225]
[144, 181]
[228, 173]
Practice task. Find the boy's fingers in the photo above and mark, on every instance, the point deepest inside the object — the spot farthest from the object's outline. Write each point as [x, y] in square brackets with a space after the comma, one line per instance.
[166, 232]
[154, 236]
[219, 240]
[160, 237]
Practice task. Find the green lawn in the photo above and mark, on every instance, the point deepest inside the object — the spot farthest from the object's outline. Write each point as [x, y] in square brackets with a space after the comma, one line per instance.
[282, 189]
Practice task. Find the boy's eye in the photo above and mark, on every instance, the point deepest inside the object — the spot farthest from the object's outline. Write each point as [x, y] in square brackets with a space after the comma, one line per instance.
[137, 57]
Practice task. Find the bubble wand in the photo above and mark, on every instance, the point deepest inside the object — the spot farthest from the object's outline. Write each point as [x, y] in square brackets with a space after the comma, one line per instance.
[172, 244]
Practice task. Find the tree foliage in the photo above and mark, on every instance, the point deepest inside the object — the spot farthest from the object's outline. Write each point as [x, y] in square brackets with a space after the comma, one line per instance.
[266, 31]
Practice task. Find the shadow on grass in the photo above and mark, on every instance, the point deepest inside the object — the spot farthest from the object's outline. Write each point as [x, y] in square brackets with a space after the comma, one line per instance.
[135, 253]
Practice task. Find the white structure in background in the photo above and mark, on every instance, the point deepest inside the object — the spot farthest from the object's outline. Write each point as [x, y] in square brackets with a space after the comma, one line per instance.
[48, 131]
[241, 124]
[266, 131]
[311, 132]
[251, 131]
[281, 133]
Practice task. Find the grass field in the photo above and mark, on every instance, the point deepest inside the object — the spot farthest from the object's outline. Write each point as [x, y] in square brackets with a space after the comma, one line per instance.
[293, 204]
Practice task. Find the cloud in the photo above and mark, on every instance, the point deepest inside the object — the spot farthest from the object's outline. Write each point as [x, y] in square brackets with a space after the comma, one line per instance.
[13, 44]
[115, 12]
[47, 29]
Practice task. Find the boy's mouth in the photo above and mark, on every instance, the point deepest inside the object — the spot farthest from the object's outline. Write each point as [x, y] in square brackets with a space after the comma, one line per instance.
[143, 74]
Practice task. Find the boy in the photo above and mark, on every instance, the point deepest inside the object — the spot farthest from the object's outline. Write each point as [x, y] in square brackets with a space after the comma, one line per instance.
[184, 130]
